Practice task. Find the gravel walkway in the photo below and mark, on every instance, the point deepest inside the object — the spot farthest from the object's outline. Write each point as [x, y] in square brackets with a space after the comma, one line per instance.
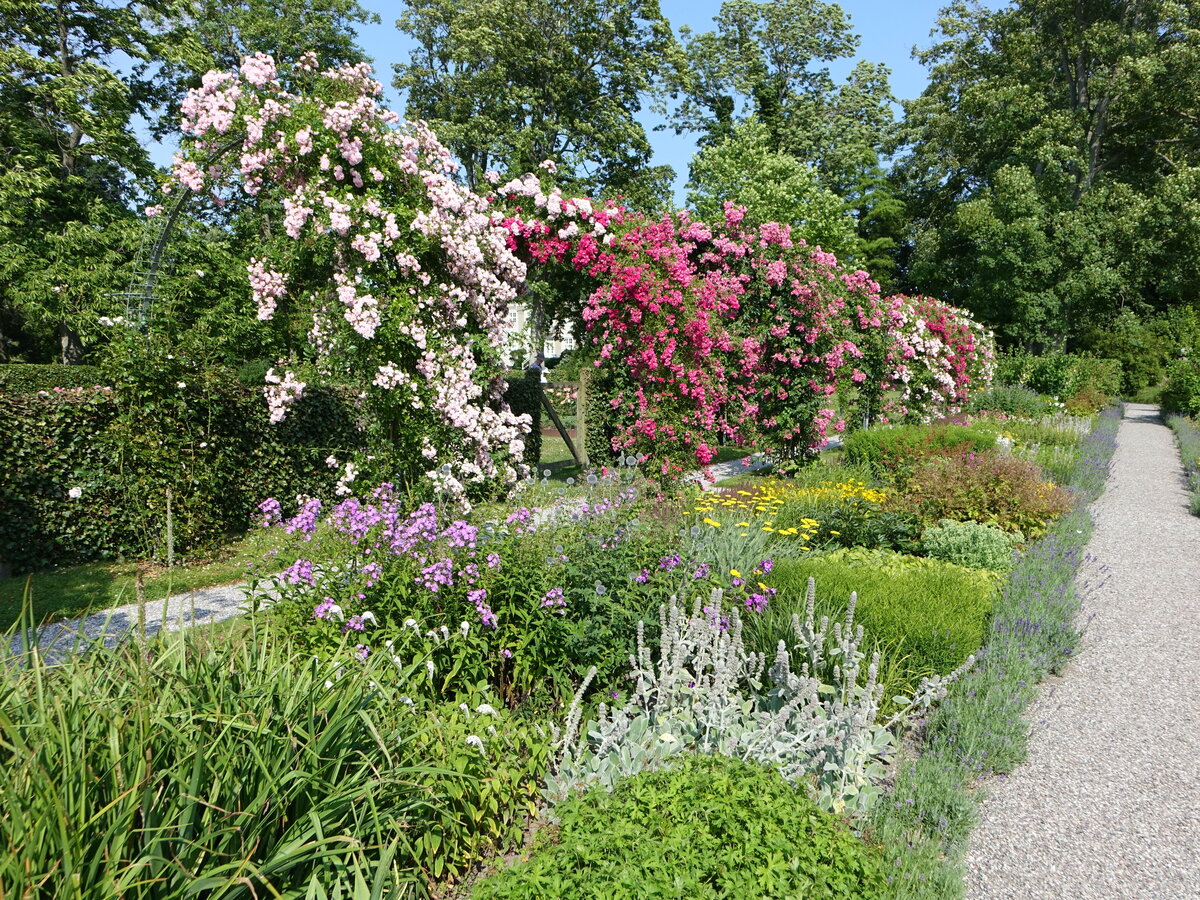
[107, 628]
[1107, 806]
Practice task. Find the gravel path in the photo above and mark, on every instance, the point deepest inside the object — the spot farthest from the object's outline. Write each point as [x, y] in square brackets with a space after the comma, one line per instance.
[107, 628]
[1107, 806]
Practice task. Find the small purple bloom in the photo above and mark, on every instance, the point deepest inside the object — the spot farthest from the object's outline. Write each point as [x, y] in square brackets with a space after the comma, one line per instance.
[701, 571]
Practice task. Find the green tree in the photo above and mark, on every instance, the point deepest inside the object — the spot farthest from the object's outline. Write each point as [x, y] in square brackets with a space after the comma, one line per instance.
[218, 34]
[767, 61]
[1053, 162]
[507, 84]
[72, 162]
[773, 186]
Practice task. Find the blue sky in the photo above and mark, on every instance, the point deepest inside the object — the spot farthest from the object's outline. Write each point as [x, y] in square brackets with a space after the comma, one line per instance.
[889, 29]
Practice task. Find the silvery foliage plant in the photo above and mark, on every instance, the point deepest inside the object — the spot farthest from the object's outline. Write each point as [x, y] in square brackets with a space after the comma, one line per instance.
[818, 724]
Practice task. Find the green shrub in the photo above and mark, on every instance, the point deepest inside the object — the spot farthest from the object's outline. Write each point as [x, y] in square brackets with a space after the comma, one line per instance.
[29, 378]
[895, 451]
[927, 616]
[524, 397]
[1011, 399]
[1181, 393]
[707, 827]
[87, 470]
[1005, 491]
[219, 765]
[1062, 374]
[971, 544]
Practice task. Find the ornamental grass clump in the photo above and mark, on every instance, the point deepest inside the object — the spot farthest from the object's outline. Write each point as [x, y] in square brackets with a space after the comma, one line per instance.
[218, 764]
[818, 725]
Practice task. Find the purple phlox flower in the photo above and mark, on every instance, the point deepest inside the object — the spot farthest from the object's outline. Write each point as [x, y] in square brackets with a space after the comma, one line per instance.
[460, 534]
[371, 571]
[737, 582]
[493, 560]
[272, 514]
[300, 572]
[487, 617]
[702, 571]
[554, 598]
[306, 520]
[506, 653]
[643, 576]
[520, 517]
[469, 572]
[438, 574]
[667, 563]
[756, 602]
[355, 623]
[362, 651]
[327, 609]
[766, 565]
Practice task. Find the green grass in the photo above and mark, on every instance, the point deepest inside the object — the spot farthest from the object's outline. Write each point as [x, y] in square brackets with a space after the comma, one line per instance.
[925, 616]
[77, 590]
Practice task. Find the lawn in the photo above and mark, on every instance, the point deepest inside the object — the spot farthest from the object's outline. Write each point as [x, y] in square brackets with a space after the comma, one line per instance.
[77, 590]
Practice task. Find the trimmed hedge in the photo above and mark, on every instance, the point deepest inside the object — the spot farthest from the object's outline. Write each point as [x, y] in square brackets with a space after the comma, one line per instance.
[29, 378]
[524, 395]
[212, 447]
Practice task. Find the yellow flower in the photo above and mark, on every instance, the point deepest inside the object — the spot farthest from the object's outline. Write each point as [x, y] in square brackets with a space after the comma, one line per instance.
[831, 531]
[735, 573]
[768, 529]
[713, 522]
[743, 524]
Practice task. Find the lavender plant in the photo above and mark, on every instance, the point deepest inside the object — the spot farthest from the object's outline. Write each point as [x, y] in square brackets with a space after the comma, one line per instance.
[707, 693]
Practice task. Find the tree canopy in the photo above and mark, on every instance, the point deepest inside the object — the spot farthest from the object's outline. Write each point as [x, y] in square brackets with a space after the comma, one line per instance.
[508, 84]
[1051, 164]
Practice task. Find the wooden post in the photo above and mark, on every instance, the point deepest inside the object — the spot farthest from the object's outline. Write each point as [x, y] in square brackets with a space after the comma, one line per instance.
[170, 533]
[581, 417]
[561, 428]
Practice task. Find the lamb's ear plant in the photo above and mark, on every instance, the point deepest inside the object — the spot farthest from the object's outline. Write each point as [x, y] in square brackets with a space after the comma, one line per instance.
[818, 724]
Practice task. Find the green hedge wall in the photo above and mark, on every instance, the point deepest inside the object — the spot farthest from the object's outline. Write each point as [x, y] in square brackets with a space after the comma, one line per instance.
[524, 395]
[212, 446]
[29, 378]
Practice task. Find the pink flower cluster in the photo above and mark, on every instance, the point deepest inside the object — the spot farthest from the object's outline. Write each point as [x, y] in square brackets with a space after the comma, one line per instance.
[418, 269]
[723, 329]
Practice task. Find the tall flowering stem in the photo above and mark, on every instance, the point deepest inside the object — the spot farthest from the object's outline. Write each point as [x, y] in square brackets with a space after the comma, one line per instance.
[405, 274]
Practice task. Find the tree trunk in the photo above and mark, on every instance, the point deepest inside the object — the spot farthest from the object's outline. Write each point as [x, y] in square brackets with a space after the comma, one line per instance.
[72, 346]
